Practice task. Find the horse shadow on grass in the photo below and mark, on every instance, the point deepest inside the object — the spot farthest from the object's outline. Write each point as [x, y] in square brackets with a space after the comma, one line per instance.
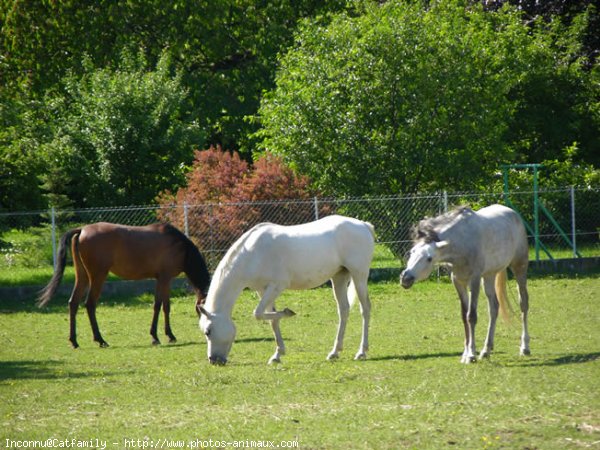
[258, 339]
[416, 357]
[163, 345]
[529, 361]
[40, 370]
[567, 359]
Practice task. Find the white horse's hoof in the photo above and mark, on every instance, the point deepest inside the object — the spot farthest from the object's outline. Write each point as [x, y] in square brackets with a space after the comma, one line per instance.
[360, 356]
[274, 360]
[332, 356]
[525, 352]
[468, 359]
[288, 312]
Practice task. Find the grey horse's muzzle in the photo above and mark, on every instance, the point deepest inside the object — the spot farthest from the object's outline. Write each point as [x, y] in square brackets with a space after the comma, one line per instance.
[407, 279]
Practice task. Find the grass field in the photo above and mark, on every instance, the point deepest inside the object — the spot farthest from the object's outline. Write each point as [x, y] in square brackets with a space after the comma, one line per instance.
[412, 392]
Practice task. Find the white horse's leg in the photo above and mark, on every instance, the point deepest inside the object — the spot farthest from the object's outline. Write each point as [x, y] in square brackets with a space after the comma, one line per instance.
[266, 311]
[463, 295]
[521, 276]
[266, 307]
[340, 292]
[365, 308]
[280, 350]
[490, 292]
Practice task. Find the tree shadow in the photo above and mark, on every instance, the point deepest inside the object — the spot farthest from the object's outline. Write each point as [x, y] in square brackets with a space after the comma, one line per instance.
[40, 370]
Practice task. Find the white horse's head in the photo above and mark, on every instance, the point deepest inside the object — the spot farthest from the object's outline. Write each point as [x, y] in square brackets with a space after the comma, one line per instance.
[423, 257]
[220, 334]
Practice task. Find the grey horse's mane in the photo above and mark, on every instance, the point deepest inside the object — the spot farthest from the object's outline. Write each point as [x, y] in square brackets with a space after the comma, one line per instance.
[428, 229]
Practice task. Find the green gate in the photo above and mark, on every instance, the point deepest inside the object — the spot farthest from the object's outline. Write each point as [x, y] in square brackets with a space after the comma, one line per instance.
[537, 207]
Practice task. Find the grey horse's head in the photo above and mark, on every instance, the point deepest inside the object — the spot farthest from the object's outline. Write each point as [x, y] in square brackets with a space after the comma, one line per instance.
[422, 259]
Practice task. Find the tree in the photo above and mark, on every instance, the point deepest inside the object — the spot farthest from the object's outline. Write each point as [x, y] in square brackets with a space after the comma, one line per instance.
[559, 97]
[119, 136]
[402, 98]
[226, 196]
[226, 49]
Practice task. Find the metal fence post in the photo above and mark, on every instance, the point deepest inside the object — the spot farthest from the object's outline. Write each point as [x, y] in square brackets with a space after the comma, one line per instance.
[536, 220]
[316, 203]
[185, 219]
[53, 218]
[573, 231]
[445, 202]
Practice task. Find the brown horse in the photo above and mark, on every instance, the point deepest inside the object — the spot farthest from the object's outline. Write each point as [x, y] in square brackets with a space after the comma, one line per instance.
[157, 251]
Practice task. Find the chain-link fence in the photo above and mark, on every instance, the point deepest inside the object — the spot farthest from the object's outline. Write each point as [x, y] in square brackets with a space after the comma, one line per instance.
[567, 221]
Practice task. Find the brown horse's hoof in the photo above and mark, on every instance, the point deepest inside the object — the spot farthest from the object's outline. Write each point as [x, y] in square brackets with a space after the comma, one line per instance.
[103, 344]
[155, 342]
[172, 340]
[75, 345]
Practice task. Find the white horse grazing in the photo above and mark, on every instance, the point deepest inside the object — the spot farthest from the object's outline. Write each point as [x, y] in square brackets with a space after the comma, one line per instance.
[270, 258]
[477, 245]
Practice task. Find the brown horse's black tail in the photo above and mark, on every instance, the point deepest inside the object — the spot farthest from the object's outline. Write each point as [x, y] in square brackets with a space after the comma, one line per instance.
[48, 292]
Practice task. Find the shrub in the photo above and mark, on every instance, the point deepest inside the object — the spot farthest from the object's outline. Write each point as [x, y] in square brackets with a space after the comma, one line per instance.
[225, 196]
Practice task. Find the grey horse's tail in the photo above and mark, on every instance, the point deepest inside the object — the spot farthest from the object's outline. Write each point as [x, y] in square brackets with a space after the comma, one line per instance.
[48, 292]
[501, 293]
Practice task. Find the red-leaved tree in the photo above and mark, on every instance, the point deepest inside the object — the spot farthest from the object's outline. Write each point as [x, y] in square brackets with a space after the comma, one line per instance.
[225, 196]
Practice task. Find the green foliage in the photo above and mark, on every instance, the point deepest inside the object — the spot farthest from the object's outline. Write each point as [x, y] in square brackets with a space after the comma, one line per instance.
[558, 97]
[402, 98]
[20, 132]
[30, 249]
[417, 94]
[226, 49]
[119, 136]
[412, 392]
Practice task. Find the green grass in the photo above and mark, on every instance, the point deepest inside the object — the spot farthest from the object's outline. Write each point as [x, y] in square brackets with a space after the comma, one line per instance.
[412, 392]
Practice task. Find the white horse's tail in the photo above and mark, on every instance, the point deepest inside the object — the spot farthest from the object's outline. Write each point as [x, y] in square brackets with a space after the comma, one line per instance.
[501, 293]
[352, 294]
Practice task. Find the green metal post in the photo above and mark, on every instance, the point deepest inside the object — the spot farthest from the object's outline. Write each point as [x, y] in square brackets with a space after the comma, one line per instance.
[505, 176]
[536, 218]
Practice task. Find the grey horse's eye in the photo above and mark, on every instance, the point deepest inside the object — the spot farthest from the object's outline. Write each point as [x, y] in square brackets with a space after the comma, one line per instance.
[429, 259]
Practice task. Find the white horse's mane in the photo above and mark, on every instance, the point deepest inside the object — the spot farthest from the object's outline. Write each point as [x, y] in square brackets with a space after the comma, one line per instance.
[234, 251]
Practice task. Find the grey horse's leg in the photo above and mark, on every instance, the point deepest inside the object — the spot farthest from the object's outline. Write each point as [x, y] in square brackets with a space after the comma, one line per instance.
[490, 292]
[463, 295]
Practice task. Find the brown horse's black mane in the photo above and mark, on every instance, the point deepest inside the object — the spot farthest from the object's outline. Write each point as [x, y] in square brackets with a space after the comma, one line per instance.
[195, 266]
[428, 228]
